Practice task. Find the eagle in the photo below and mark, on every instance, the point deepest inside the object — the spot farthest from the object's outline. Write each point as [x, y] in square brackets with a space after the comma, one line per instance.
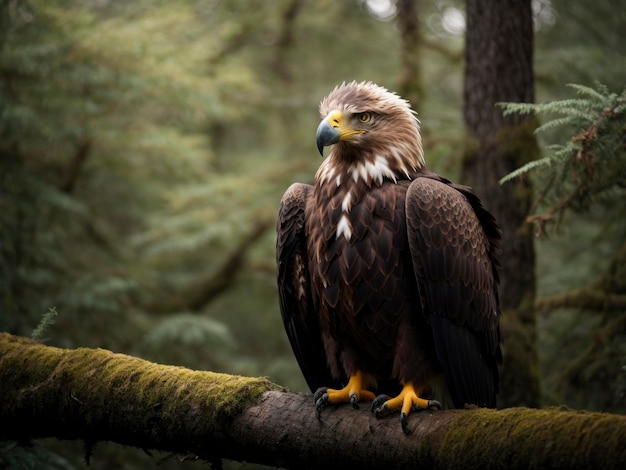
[387, 272]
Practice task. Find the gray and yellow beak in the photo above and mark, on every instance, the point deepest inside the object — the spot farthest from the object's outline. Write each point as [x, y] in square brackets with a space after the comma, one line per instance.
[332, 129]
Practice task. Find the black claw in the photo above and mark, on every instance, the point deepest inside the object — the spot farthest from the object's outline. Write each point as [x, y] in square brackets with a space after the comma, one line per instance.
[434, 404]
[320, 404]
[379, 407]
[319, 392]
[431, 405]
[354, 398]
[404, 421]
[321, 400]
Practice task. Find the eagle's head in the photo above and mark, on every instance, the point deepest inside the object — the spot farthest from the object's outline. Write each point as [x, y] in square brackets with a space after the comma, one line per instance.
[370, 127]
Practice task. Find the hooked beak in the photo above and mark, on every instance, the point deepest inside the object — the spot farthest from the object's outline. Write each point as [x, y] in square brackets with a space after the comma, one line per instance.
[332, 130]
[326, 135]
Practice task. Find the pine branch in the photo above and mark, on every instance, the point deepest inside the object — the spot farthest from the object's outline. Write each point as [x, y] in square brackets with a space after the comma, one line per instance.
[526, 168]
[48, 319]
[95, 395]
[590, 162]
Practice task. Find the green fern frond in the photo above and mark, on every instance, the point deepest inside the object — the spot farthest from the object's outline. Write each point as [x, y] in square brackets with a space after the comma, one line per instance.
[590, 92]
[48, 319]
[561, 153]
[590, 164]
[517, 108]
[576, 113]
[546, 161]
[554, 123]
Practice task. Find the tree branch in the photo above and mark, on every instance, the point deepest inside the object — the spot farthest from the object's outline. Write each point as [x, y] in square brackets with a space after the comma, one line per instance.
[96, 395]
[206, 289]
[584, 298]
[72, 172]
[606, 293]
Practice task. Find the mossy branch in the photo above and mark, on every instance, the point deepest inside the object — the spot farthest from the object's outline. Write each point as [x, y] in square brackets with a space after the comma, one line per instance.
[96, 395]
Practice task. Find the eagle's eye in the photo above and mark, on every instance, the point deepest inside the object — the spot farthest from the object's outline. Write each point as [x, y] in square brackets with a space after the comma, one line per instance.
[365, 117]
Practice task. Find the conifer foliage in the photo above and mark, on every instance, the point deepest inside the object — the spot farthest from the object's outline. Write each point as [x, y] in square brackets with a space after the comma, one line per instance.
[591, 165]
[104, 109]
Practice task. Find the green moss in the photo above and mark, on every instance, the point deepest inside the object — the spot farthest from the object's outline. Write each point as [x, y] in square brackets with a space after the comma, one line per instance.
[104, 387]
[538, 438]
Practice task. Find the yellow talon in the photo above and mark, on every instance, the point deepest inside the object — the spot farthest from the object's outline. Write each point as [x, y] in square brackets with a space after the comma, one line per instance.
[407, 401]
[354, 388]
[408, 398]
[352, 393]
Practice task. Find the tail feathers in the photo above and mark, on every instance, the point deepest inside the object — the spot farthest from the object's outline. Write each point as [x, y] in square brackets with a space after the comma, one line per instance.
[470, 370]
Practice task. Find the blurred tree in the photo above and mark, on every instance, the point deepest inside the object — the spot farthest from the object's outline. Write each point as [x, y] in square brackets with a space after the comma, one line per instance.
[410, 84]
[98, 110]
[499, 68]
[579, 42]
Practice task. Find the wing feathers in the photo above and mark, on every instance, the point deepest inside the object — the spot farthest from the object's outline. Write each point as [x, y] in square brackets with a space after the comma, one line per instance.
[296, 305]
[454, 262]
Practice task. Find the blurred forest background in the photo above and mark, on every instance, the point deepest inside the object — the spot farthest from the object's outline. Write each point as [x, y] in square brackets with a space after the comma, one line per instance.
[145, 145]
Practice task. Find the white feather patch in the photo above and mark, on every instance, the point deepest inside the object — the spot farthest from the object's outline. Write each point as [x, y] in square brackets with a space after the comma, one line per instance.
[380, 169]
[344, 228]
[346, 204]
[373, 172]
[355, 174]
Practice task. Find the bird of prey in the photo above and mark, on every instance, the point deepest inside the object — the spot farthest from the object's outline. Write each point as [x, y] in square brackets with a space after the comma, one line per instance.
[387, 272]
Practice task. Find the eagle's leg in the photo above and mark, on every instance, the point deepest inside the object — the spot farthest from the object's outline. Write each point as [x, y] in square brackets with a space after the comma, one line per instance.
[351, 393]
[408, 400]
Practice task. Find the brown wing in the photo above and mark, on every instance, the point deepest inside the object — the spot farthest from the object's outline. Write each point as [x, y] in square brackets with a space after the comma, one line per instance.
[294, 289]
[453, 239]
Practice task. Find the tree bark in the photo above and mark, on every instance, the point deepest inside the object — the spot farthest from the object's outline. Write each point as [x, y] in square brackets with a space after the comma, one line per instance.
[410, 86]
[499, 43]
[96, 395]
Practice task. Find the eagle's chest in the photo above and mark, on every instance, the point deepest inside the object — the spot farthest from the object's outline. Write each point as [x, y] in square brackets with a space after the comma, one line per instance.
[357, 247]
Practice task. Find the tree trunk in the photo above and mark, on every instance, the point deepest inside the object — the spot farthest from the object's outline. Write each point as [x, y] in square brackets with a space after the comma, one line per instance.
[95, 395]
[499, 42]
[410, 85]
